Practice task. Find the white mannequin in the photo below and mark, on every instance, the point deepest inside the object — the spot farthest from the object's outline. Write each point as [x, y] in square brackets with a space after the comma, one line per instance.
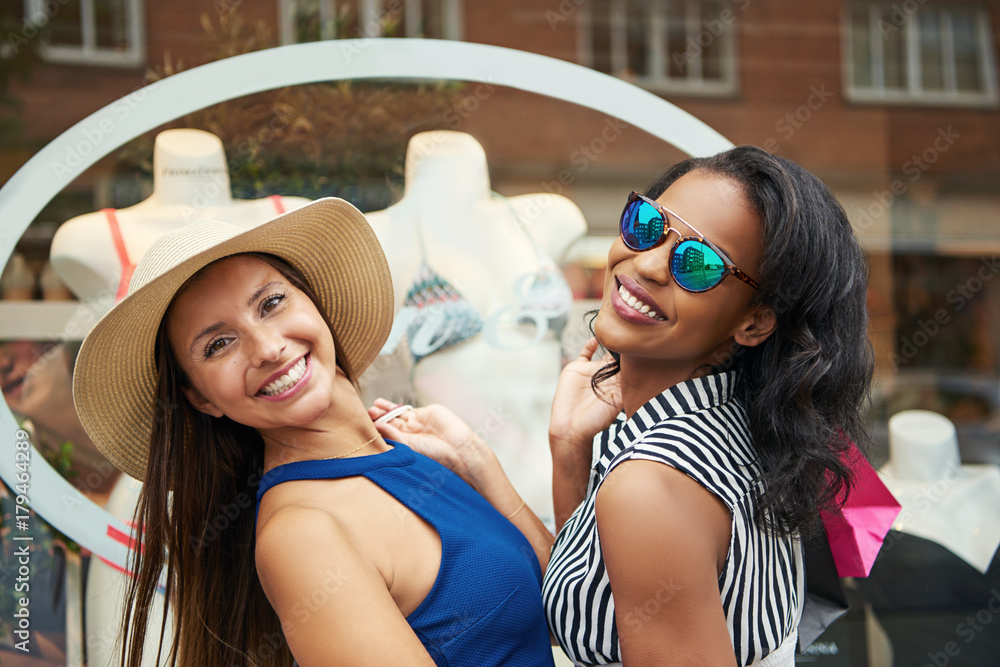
[955, 505]
[190, 181]
[106, 596]
[489, 248]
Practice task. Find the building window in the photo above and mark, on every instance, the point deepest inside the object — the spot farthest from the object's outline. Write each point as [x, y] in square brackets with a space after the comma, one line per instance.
[664, 45]
[88, 32]
[924, 53]
[314, 20]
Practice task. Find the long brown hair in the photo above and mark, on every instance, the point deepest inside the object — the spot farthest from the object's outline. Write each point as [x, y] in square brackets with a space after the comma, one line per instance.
[197, 511]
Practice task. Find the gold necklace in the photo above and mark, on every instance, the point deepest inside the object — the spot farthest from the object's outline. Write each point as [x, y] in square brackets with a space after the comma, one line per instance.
[356, 449]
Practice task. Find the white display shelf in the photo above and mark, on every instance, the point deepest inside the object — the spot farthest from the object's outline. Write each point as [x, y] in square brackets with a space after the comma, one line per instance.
[45, 320]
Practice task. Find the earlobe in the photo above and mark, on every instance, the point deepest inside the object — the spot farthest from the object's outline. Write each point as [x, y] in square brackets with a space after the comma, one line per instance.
[200, 403]
[757, 327]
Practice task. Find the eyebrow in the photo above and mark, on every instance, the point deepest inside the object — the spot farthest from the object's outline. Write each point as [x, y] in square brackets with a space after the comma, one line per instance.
[212, 328]
[256, 295]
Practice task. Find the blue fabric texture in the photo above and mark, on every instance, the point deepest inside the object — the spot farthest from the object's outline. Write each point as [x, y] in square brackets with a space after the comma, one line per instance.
[485, 607]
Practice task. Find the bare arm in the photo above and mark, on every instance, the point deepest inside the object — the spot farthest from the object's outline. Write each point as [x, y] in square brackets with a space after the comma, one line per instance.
[664, 539]
[578, 415]
[334, 605]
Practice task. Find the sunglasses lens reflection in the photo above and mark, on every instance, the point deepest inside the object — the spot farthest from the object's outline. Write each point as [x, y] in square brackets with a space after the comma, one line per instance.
[641, 226]
[696, 266]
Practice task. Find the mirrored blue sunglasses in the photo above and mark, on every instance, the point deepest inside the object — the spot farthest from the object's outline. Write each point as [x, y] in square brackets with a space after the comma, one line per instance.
[696, 264]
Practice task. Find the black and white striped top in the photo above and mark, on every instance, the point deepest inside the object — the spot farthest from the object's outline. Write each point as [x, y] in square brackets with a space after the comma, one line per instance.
[698, 428]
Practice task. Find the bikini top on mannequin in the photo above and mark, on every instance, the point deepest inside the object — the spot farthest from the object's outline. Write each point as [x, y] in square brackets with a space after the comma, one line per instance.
[444, 318]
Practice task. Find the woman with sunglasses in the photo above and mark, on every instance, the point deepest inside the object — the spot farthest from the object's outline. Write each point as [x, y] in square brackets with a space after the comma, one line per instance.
[734, 312]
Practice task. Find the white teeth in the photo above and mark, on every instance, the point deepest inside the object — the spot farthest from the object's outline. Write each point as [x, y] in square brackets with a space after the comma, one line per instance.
[637, 305]
[294, 374]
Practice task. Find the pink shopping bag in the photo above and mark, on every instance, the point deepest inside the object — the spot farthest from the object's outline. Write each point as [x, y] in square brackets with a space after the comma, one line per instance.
[857, 531]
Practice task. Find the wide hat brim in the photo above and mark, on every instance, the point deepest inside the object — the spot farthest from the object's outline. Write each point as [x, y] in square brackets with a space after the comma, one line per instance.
[328, 240]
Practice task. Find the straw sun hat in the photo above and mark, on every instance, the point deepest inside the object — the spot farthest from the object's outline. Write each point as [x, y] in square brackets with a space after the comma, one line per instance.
[329, 241]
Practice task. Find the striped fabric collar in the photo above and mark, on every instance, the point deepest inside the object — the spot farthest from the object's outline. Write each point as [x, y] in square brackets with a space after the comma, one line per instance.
[686, 397]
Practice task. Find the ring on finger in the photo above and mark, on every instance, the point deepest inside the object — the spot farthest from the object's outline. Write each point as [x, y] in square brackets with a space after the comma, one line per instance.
[392, 414]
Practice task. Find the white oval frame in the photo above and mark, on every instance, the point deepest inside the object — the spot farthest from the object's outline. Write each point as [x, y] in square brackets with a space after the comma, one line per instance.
[76, 149]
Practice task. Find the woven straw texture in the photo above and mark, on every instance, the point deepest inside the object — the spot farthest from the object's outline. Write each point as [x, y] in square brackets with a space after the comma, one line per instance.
[329, 241]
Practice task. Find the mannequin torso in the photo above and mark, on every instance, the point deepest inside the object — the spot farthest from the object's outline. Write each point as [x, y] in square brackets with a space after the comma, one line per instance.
[190, 182]
[957, 506]
[496, 255]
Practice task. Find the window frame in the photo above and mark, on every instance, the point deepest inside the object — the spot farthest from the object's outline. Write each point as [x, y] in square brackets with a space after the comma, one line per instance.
[660, 81]
[368, 13]
[89, 53]
[914, 94]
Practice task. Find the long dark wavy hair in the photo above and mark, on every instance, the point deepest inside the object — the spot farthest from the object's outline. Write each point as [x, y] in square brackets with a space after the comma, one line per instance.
[197, 511]
[805, 387]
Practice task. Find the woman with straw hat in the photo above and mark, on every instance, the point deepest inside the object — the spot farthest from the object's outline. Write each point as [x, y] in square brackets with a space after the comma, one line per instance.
[228, 375]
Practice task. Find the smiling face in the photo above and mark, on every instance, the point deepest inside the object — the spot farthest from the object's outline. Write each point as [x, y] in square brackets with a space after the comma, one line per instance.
[253, 347]
[672, 333]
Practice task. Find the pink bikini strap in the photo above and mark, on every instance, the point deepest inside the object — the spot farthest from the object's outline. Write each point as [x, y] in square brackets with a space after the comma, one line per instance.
[127, 266]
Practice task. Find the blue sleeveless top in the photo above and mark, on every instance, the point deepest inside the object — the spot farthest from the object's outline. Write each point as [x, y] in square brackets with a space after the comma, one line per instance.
[485, 607]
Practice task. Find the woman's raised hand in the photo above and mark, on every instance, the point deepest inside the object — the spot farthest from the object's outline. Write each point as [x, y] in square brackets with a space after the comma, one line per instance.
[440, 434]
[578, 413]
[437, 433]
